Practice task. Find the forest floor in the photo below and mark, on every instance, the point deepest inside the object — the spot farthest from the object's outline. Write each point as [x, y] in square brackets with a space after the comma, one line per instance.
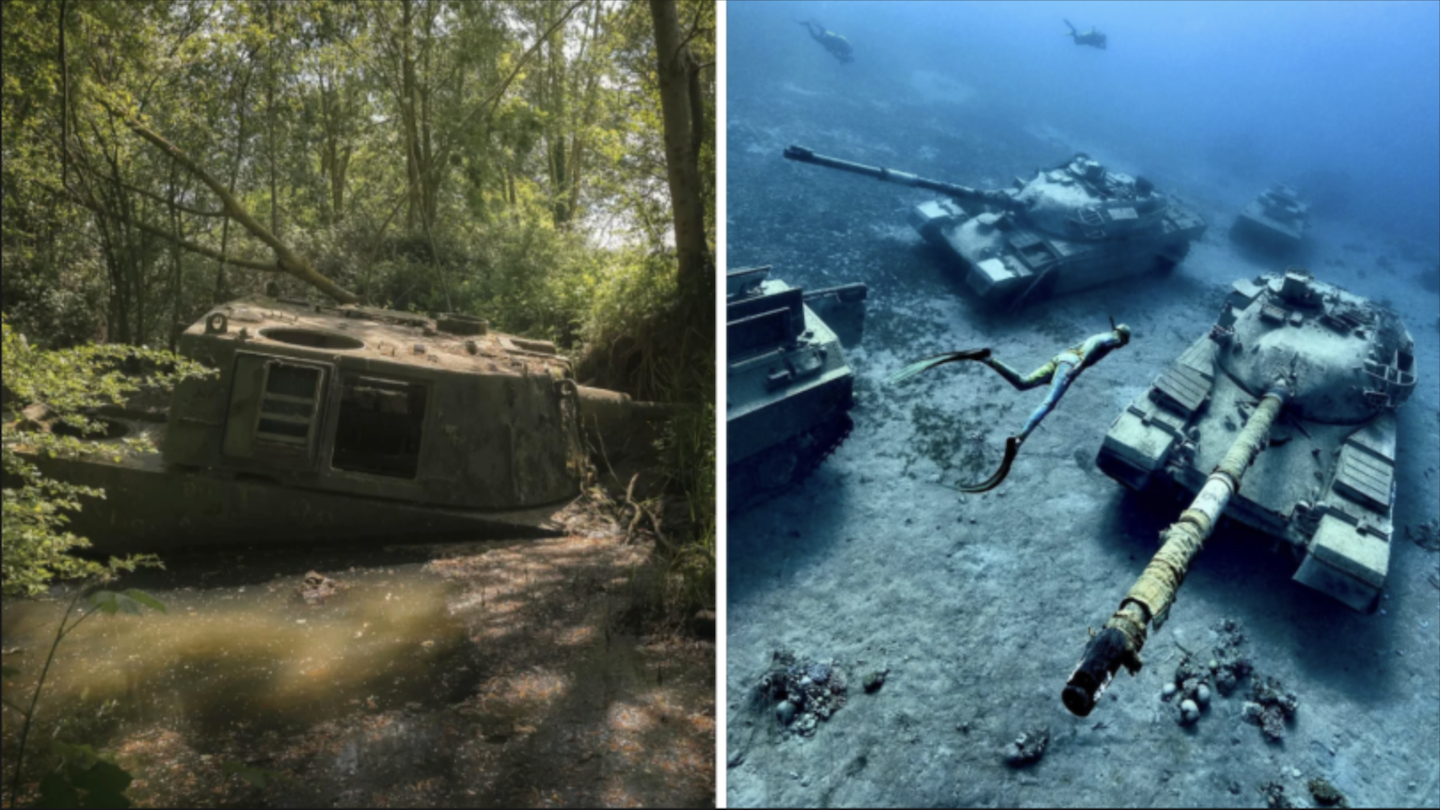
[519, 674]
[975, 608]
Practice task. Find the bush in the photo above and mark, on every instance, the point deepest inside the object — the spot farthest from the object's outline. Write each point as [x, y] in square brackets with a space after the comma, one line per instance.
[70, 382]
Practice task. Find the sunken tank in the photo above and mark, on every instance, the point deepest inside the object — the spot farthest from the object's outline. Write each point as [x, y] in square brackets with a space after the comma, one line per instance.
[1275, 222]
[1281, 418]
[789, 389]
[1324, 479]
[342, 422]
[1068, 228]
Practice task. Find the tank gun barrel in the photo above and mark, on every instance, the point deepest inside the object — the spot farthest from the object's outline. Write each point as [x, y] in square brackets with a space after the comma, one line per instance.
[997, 198]
[1149, 600]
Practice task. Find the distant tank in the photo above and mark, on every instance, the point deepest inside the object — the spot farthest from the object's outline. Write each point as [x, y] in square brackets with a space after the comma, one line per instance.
[1276, 221]
[1293, 393]
[1068, 228]
[343, 422]
[789, 389]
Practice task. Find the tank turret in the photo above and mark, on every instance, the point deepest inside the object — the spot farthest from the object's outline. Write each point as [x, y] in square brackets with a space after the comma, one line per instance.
[1291, 393]
[789, 388]
[1070, 227]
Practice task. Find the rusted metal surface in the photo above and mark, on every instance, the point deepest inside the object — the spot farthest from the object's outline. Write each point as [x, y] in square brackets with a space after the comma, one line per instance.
[348, 422]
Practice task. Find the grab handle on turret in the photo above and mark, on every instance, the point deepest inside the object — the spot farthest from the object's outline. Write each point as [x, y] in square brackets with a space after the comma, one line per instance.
[998, 198]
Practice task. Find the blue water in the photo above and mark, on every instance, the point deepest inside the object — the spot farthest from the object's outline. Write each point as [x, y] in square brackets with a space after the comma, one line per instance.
[1342, 99]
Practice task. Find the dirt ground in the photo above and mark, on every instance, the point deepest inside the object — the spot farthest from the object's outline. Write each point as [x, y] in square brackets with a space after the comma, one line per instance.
[976, 607]
[485, 674]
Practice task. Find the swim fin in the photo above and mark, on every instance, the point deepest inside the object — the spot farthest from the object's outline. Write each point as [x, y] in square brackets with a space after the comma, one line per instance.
[1012, 449]
[938, 360]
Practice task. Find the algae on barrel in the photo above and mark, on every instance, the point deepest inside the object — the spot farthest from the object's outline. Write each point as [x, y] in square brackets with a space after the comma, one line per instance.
[1281, 417]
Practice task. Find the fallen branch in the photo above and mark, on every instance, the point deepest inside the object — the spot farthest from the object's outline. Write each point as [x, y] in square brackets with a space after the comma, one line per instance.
[286, 261]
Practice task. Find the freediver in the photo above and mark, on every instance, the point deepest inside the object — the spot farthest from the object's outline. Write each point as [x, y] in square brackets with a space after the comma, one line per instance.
[838, 46]
[1062, 370]
[1093, 38]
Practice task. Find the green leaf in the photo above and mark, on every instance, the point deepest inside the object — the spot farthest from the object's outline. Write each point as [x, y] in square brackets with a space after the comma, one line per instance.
[102, 778]
[127, 605]
[105, 602]
[56, 791]
[110, 603]
[146, 599]
[78, 757]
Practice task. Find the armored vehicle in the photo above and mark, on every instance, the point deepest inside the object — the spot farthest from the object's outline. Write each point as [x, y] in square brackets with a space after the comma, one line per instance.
[1275, 221]
[1294, 391]
[789, 388]
[342, 422]
[1068, 228]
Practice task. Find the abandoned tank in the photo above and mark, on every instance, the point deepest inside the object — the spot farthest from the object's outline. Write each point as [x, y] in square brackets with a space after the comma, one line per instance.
[789, 388]
[1275, 222]
[1281, 418]
[1068, 228]
[345, 422]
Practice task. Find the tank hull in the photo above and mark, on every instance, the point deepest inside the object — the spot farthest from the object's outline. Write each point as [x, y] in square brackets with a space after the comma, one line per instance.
[1255, 229]
[1324, 485]
[1275, 223]
[1068, 228]
[790, 388]
[1003, 264]
[324, 423]
[152, 507]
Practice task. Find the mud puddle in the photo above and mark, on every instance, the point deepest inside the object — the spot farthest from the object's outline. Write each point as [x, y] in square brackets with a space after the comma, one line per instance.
[445, 675]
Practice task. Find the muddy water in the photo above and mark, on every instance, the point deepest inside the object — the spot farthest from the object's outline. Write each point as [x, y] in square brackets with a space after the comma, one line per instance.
[452, 675]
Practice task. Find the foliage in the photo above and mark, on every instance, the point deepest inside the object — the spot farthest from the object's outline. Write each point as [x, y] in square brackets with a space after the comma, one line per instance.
[504, 158]
[689, 457]
[86, 779]
[71, 382]
[83, 777]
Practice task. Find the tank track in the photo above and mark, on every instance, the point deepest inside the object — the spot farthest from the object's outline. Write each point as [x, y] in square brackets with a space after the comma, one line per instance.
[777, 469]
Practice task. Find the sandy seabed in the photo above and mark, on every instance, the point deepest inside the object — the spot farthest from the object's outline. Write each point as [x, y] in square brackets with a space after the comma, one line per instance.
[978, 606]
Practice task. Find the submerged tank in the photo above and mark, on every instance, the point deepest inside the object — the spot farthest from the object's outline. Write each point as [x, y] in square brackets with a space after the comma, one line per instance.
[1276, 221]
[789, 389]
[344, 422]
[1068, 228]
[1292, 393]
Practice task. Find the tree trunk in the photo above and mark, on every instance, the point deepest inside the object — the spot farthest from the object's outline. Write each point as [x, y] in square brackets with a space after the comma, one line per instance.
[286, 260]
[270, 116]
[677, 69]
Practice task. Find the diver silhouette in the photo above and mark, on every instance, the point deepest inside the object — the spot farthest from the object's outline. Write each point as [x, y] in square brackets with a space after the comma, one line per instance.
[1093, 38]
[1062, 370]
[838, 46]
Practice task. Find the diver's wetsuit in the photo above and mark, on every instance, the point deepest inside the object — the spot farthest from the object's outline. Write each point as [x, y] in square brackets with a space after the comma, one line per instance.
[838, 46]
[1062, 370]
[1093, 38]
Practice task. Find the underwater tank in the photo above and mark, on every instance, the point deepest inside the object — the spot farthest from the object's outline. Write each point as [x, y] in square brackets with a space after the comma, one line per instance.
[1275, 222]
[789, 387]
[1282, 418]
[1070, 227]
